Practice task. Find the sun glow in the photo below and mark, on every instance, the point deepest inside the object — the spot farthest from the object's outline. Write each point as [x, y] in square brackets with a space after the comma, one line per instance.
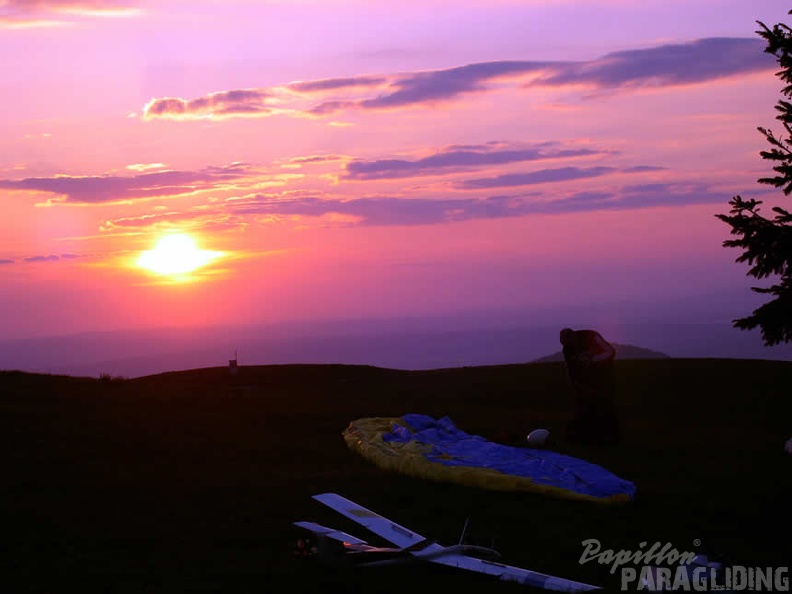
[175, 254]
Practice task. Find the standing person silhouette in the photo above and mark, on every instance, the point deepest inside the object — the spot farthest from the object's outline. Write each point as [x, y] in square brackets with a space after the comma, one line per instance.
[589, 362]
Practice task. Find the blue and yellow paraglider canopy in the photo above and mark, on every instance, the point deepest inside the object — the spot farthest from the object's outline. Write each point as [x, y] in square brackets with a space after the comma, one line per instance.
[436, 449]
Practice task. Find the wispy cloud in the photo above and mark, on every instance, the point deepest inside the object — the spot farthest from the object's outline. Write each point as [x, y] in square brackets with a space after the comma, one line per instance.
[665, 65]
[115, 188]
[440, 85]
[325, 209]
[459, 158]
[541, 176]
[661, 66]
[49, 258]
[43, 258]
[150, 181]
[544, 176]
[387, 211]
[43, 13]
[334, 84]
[194, 219]
[300, 162]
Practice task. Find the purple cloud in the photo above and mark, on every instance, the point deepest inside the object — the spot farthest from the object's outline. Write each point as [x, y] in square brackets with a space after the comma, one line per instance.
[542, 176]
[428, 87]
[388, 211]
[333, 84]
[643, 169]
[47, 258]
[50, 258]
[111, 188]
[331, 107]
[458, 158]
[665, 65]
[380, 211]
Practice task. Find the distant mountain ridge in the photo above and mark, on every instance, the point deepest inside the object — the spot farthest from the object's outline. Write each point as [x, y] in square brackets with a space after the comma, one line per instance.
[623, 351]
[403, 343]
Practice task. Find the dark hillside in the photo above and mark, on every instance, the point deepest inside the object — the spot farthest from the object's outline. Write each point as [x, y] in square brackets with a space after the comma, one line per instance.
[189, 481]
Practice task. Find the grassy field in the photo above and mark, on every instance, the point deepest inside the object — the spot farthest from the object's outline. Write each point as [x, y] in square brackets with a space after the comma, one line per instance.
[189, 481]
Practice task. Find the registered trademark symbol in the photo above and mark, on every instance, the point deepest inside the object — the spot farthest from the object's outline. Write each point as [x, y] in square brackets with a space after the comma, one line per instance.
[696, 542]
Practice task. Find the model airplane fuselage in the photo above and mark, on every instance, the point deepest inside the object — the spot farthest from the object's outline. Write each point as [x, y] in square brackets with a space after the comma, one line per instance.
[339, 548]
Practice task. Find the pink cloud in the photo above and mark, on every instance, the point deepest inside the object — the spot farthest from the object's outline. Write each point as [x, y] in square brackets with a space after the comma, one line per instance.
[32, 13]
[241, 102]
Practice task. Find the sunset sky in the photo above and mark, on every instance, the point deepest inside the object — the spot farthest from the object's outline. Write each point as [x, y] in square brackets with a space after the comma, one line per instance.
[372, 158]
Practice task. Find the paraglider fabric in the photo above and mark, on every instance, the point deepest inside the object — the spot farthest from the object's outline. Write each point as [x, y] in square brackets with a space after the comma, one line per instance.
[436, 449]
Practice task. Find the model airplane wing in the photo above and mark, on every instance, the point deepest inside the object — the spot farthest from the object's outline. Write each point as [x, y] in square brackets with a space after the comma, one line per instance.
[507, 573]
[454, 556]
[379, 525]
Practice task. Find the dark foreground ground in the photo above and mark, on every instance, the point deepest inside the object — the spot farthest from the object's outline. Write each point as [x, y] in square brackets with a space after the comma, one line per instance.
[189, 481]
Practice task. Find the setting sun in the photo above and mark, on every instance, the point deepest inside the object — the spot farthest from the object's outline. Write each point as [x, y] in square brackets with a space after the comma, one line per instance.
[175, 254]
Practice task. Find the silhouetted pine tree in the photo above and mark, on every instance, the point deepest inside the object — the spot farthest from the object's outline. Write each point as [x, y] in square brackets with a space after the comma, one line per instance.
[767, 243]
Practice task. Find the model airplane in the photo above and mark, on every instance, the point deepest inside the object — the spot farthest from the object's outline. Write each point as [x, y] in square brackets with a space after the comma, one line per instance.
[336, 547]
